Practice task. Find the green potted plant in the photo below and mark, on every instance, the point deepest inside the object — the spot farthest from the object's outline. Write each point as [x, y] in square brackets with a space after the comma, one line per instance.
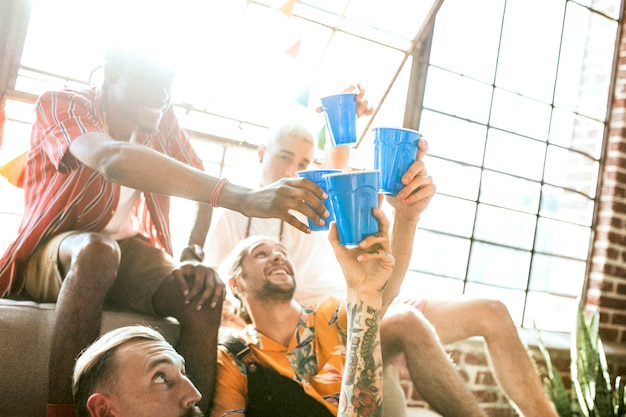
[592, 393]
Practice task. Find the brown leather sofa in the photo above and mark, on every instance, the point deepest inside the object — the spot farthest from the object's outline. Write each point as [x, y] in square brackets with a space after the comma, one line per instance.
[25, 330]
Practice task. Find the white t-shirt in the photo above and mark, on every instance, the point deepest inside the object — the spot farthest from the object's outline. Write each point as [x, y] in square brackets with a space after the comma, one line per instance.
[124, 223]
[318, 274]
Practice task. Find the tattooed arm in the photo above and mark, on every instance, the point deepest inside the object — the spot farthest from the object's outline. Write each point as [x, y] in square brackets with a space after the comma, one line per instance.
[367, 274]
[362, 384]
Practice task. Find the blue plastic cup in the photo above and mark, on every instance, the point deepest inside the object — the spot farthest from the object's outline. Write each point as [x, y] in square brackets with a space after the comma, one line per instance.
[317, 176]
[353, 196]
[340, 115]
[395, 149]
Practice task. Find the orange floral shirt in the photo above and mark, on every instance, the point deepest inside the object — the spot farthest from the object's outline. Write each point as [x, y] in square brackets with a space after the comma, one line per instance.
[315, 358]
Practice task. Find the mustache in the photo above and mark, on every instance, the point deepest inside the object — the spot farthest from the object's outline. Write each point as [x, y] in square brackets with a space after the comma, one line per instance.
[193, 412]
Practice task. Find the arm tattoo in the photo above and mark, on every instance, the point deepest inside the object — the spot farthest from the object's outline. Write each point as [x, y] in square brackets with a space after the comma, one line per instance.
[361, 389]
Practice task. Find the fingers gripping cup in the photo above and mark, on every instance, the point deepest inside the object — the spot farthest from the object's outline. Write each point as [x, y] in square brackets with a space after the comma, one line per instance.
[353, 196]
[317, 176]
[395, 149]
[340, 115]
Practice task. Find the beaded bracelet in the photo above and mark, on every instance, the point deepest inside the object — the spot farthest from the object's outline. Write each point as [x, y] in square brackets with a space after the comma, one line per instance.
[216, 191]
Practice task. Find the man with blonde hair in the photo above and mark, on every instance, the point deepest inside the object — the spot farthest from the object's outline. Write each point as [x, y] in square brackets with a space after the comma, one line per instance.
[133, 372]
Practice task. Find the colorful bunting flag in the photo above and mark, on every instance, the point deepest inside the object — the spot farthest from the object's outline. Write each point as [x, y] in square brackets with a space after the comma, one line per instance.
[14, 170]
[293, 50]
[287, 7]
[303, 97]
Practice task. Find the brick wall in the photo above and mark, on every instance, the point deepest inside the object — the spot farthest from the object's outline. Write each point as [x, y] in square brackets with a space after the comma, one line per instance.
[606, 286]
[470, 358]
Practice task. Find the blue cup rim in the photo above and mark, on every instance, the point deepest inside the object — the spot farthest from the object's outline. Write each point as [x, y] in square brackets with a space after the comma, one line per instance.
[397, 128]
[330, 170]
[366, 171]
[337, 95]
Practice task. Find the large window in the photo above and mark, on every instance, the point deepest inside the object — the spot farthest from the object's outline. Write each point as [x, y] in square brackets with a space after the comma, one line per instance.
[514, 111]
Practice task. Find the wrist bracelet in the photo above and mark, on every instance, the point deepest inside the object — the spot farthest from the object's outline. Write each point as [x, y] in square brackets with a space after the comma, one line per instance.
[216, 191]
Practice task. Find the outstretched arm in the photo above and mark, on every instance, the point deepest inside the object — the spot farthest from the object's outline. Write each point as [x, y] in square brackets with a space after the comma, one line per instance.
[367, 275]
[145, 169]
[408, 205]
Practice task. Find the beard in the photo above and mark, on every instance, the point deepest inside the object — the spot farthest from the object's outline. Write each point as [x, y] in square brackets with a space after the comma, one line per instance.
[273, 293]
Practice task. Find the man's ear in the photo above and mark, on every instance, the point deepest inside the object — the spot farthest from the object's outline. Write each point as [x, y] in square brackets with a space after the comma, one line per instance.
[260, 150]
[234, 285]
[98, 405]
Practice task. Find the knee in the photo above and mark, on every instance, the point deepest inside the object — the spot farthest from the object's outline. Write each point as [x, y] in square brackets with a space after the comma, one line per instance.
[98, 246]
[95, 255]
[493, 307]
[408, 328]
[496, 317]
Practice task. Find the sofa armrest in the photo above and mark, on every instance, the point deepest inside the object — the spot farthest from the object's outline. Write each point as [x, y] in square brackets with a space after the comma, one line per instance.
[25, 331]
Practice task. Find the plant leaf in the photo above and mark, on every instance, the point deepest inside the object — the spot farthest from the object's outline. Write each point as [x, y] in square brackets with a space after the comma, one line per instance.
[553, 382]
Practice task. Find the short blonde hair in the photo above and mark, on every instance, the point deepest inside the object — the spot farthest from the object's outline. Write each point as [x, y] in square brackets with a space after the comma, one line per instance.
[297, 131]
[96, 365]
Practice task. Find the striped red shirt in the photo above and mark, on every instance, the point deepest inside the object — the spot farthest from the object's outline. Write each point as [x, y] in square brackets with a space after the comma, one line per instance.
[62, 194]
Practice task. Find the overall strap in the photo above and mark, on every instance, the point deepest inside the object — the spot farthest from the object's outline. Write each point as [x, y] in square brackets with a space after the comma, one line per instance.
[235, 346]
[271, 394]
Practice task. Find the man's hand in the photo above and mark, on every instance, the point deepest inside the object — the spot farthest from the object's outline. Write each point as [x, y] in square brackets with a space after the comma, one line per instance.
[200, 284]
[278, 198]
[362, 106]
[367, 267]
[418, 189]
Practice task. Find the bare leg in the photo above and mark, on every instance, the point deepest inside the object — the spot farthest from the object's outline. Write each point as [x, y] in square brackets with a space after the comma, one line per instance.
[394, 402]
[404, 329]
[91, 262]
[511, 364]
[198, 336]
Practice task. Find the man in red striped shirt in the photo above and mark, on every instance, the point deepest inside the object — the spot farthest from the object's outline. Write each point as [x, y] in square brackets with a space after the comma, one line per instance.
[102, 165]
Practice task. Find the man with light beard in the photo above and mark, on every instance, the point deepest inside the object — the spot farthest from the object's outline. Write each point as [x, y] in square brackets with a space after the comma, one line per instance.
[314, 346]
[321, 361]
[133, 372]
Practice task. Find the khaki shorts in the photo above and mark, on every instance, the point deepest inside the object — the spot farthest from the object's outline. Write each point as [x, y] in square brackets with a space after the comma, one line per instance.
[143, 268]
